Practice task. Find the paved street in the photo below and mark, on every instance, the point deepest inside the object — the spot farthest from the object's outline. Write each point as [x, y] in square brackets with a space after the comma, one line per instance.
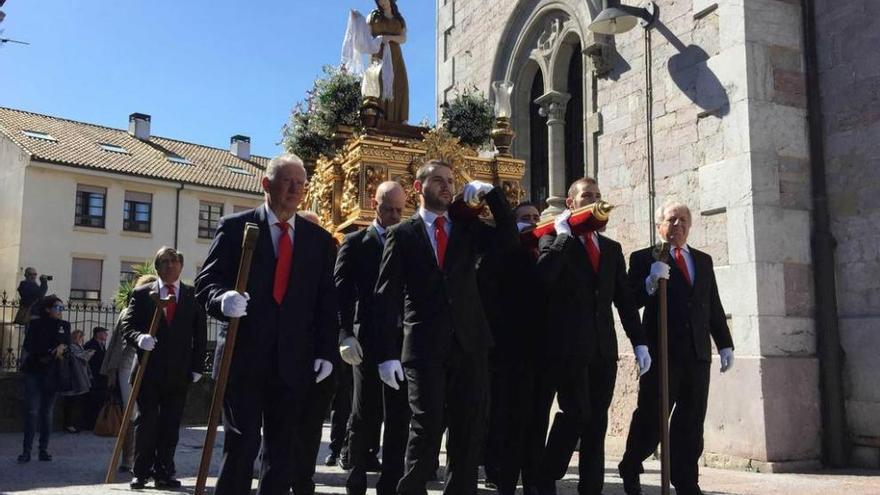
[79, 465]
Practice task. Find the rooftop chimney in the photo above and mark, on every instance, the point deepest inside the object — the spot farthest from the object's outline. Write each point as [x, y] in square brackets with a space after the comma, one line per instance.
[139, 126]
[240, 146]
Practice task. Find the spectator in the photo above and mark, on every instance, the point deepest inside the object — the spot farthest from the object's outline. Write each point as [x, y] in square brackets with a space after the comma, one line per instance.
[46, 340]
[30, 291]
[98, 387]
[116, 367]
[75, 398]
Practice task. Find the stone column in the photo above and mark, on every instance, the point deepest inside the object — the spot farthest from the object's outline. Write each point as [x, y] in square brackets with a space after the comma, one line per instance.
[553, 106]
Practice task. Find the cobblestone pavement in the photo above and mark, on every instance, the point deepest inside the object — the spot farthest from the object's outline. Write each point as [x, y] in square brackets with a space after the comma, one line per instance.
[80, 462]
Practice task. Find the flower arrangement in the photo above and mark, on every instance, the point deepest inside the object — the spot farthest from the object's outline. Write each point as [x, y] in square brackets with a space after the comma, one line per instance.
[469, 117]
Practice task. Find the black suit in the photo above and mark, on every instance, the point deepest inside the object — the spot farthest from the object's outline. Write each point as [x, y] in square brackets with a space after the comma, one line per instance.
[179, 351]
[357, 268]
[515, 303]
[582, 351]
[445, 339]
[694, 314]
[272, 368]
[98, 390]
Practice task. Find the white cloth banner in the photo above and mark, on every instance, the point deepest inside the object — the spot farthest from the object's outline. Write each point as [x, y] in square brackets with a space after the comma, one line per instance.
[358, 42]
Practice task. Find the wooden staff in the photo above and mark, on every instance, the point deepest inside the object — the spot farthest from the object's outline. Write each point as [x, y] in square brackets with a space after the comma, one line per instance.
[136, 386]
[249, 242]
[662, 254]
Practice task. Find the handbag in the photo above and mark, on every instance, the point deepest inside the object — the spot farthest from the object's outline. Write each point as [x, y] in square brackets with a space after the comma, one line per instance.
[109, 418]
[23, 315]
[65, 371]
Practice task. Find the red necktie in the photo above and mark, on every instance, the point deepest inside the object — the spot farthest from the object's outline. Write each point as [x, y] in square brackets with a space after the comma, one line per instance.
[171, 307]
[440, 233]
[282, 265]
[592, 251]
[682, 266]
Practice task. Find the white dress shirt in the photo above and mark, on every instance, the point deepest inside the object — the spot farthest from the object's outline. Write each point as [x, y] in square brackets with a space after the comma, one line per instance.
[688, 259]
[274, 230]
[429, 218]
[380, 230]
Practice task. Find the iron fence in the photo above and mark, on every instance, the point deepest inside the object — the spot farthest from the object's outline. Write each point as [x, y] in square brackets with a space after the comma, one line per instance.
[82, 316]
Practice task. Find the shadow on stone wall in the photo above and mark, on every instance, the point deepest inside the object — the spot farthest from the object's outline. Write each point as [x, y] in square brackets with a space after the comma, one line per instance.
[690, 71]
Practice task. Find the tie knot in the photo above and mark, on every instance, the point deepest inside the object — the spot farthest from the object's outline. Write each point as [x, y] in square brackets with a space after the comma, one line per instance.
[170, 288]
[283, 226]
[440, 222]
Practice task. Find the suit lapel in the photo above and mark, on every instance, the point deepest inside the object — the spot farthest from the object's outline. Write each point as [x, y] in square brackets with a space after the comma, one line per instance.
[419, 226]
[301, 238]
[606, 262]
[265, 248]
[455, 233]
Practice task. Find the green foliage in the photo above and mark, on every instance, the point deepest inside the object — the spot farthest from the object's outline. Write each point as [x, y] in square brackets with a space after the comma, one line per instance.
[334, 100]
[469, 117]
[123, 293]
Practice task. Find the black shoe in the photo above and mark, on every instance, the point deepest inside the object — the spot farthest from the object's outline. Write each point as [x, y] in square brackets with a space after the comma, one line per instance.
[138, 483]
[372, 464]
[24, 457]
[71, 429]
[631, 484]
[45, 456]
[694, 490]
[331, 460]
[167, 483]
[345, 461]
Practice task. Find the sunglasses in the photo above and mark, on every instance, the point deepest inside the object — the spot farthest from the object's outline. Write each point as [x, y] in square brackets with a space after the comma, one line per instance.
[58, 307]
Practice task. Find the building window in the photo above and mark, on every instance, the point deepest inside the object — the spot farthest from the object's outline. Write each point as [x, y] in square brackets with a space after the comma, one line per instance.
[90, 205]
[127, 271]
[209, 217]
[137, 212]
[85, 280]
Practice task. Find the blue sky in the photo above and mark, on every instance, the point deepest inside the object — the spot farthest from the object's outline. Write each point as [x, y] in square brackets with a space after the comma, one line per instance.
[204, 70]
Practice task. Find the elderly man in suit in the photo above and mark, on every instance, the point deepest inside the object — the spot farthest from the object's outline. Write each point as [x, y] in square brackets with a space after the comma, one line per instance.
[357, 267]
[287, 332]
[585, 273]
[430, 261]
[177, 358]
[694, 314]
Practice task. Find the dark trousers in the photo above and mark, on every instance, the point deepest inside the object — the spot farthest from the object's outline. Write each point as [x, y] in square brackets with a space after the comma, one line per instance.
[94, 401]
[251, 402]
[371, 397]
[341, 409]
[584, 392]
[73, 411]
[456, 389]
[688, 392]
[307, 444]
[157, 429]
[510, 424]
[40, 391]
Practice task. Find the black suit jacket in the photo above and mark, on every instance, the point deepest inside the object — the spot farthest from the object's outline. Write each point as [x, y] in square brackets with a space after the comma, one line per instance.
[357, 268]
[289, 337]
[694, 313]
[180, 347]
[99, 381]
[438, 304]
[581, 322]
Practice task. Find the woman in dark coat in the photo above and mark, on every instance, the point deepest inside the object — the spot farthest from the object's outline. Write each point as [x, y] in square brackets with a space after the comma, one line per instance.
[46, 341]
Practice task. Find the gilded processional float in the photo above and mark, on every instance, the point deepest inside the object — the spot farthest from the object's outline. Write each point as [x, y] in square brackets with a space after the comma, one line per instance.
[387, 148]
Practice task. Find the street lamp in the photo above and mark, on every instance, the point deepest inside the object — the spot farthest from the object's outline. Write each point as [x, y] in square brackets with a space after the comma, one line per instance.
[616, 18]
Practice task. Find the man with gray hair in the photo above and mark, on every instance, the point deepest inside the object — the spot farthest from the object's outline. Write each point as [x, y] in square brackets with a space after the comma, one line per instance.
[357, 268]
[694, 314]
[287, 333]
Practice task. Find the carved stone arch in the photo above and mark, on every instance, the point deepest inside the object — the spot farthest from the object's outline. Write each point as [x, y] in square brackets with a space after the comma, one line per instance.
[559, 64]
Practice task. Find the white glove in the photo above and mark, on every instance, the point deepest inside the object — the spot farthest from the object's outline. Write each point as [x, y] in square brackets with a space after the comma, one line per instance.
[390, 372]
[323, 368]
[475, 190]
[196, 376]
[351, 351]
[146, 342]
[726, 358]
[643, 357]
[234, 304]
[561, 224]
[659, 270]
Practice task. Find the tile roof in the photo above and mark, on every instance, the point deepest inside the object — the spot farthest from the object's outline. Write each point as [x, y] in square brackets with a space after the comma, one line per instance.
[78, 144]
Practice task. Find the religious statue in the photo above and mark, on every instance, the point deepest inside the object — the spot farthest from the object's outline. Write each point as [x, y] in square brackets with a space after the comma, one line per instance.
[380, 35]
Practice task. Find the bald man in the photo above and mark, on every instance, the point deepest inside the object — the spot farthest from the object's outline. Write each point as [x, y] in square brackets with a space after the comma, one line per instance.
[357, 267]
